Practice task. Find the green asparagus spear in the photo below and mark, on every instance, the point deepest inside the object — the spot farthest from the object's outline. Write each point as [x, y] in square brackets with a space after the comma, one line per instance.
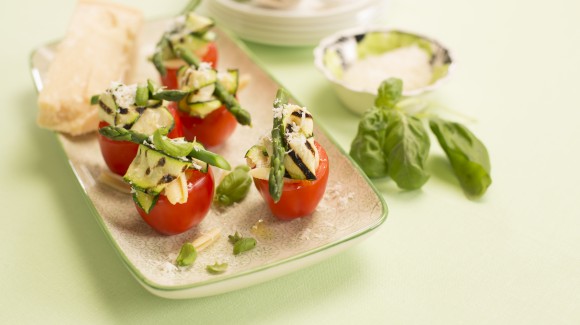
[276, 178]
[198, 152]
[157, 57]
[242, 116]
[121, 134]
[159, 93]
[209, 157]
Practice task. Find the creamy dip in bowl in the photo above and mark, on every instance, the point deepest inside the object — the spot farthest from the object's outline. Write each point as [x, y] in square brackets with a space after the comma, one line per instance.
[356, 61]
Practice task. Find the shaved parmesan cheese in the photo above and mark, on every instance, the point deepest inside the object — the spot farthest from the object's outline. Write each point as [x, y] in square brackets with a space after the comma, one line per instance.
[98, 47]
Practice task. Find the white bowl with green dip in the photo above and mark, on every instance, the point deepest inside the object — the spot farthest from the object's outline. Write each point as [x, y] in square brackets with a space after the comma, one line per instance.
[356, 61]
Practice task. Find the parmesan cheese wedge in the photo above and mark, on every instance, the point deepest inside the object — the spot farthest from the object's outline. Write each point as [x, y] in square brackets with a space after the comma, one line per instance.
[98, 48]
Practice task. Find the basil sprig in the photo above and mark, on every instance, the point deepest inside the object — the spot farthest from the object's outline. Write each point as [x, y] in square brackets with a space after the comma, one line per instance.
[217, 268]
[187, 255]
[241, 244]
[391, 141]
[234, 186]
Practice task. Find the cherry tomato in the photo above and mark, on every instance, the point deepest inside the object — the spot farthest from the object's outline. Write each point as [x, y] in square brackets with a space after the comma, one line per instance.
[299, 198]
[118, 155]
[212, 130]
[211, 56]
[172, 219]
[170, 78]
[177, 131]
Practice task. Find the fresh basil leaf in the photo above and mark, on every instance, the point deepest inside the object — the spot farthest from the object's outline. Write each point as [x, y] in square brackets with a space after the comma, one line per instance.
[234, 186]
[466, 153]
[217, 268]
[367, 146]
[389, 93]
[235, 237]
[244, 244]
[171, 147]
[187, 255]
[406, 147]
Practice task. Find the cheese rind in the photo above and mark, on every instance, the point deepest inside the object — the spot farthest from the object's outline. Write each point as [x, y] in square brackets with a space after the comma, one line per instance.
[98, 48]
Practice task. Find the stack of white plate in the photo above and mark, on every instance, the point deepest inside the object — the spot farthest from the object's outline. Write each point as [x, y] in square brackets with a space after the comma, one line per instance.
[304, 24]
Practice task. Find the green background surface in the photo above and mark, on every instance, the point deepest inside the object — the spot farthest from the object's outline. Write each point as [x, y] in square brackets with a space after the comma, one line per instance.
[512, 257]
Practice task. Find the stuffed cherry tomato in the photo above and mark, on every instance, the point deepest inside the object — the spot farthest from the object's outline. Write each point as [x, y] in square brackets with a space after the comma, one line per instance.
[117, 107]
[207, 111]
[171, 181]
[171, 219]
[299, 197]
[290, 168]
[212, 130]
[191, 32]
[117, 154]
[169, 80]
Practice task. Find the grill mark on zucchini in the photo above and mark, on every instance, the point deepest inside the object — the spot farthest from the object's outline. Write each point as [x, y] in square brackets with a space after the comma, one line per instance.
[106, 108]
[307, 173]
[161, 162]
[310, 148]
[123, 110]
[299, 114]
[288, 130]
[148, 171]
[167, 179]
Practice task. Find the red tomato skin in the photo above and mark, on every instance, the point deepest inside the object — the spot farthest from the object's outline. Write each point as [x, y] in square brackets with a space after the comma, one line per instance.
[299, 198]
[118, 155]
[170, 78]
[211, 56]
[211, 131]
[177, 131]
[169, 219]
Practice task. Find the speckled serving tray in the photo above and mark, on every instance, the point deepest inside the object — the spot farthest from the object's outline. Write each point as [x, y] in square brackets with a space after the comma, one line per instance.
[350, 210]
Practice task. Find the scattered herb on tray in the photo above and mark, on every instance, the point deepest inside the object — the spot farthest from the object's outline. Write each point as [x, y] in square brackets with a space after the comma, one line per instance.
[241, 244]
[187, 255]
[234, 186]
[217, 268]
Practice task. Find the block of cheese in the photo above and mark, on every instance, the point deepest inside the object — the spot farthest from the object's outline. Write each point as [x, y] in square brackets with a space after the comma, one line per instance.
[98, 48]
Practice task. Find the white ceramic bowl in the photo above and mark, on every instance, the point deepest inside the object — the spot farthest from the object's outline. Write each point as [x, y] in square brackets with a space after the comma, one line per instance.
[343, 47]
[302, 25]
